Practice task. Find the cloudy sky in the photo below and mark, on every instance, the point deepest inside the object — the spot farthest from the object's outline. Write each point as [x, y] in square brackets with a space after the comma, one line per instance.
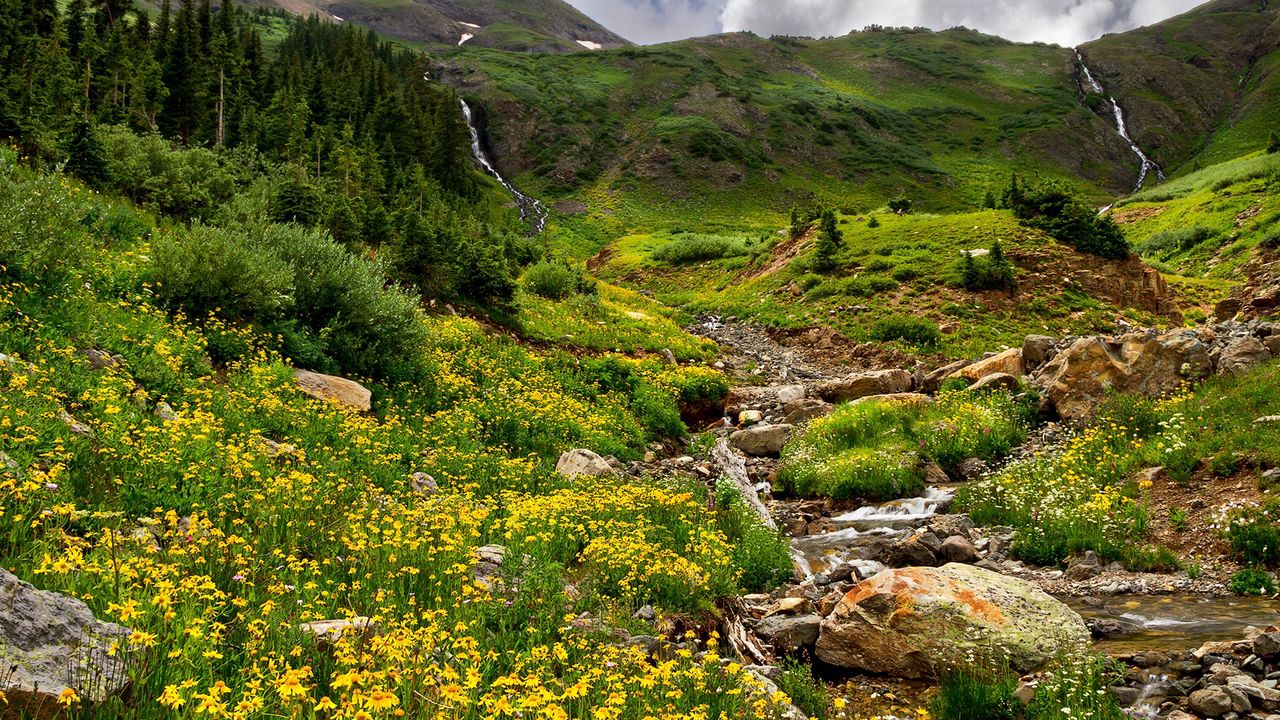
[1066, 22]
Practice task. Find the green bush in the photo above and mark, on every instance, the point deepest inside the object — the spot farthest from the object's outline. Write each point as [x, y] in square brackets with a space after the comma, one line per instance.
[806, 691]
[189, 183]
[1171, 241]
[556, 280]
[763, 555]
[914, 330]
[1051, 207]
[688, 248]
[1253, 581]
[1254, 532]
[42, 237]
[207, 270]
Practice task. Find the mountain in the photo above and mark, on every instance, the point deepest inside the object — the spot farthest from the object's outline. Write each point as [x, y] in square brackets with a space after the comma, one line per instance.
[1201, 87]
[940, 116]
[516, 25]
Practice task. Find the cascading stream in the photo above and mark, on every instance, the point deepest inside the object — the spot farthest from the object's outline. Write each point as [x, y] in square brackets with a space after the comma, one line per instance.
[1148, 165]
[532, 210]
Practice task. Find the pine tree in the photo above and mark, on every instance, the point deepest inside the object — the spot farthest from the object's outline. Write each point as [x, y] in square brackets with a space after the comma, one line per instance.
[87, 160]
[75, 32]
[969, 276]
[1000, 269]
[829, 241]
[874, 222]
[1273, 146]
[989, 202]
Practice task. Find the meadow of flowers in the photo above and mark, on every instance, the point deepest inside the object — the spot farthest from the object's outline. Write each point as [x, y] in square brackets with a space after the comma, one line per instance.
[214, 510]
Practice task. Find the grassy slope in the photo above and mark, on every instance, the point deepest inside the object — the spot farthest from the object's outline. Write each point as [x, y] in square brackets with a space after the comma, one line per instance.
[915, 257]
[1199, 88]
[761, 124]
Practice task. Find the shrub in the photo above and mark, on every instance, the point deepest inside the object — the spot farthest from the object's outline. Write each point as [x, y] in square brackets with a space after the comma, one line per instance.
[189, 183]
[209, 270]
[1253, 581]
[687, 249]
[1254, 531]
[763, 555]
[913, 330]
[1174, 240]
[1052, 208]
[556, 280]
[42, 239]
[805, 691]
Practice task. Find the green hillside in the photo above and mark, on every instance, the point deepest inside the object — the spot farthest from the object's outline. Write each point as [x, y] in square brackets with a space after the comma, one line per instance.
[1200, 88]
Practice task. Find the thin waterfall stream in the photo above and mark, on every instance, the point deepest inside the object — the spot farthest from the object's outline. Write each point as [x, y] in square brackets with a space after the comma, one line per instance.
[1147, 164]
[532, 210]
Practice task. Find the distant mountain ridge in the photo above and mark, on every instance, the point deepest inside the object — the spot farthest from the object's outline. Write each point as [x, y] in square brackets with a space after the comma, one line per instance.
[515, 25]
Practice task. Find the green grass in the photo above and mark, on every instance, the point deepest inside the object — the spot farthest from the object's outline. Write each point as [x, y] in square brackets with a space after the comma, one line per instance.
[875, 451]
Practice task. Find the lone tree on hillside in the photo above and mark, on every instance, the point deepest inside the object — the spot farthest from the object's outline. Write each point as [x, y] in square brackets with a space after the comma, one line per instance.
[830, 239]
[1273, 147]
[901, 205]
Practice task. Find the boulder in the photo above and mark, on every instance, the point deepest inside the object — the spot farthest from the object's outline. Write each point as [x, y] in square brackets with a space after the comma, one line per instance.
[750, 417]
[762, 440]
[919, 622]
[1242, 355]
[1036, 350]
[344, 392]
[790, 633]
[933, 379]
[807, 410]
[787, 394]
[956, 549]
[1078, 378]
[860, 385]
[1211, 702]
[1008, 362]
[895, 399]
[49, 643]
[997, 381]
[329, 632]
[749, 398]
[583, 462]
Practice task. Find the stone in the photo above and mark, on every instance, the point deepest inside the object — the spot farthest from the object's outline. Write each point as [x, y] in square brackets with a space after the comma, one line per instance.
[790, 633]
[1242, 355]
[51, 642]
[933, 379]
[423, 484]
[971, 469]
[918, 622]
[918, 399]
[493, 554]
[668, 356]
[76, 427]
[997, 381]
[581, 462]
[1084, 566]
[346, 393]
[934, 474]
[1075, 381]
[1267, 645]
[788, 394]
[1211, 702]
[860, 385]
[1036, 350]
[807, 410]
[646, 613]
[1008, 362]
[329, 632]
[956, 549]
[165, 412]
[912, 552]
[749, 397]
[102, 360]
[789, 606]
[1272, 344]
[750, 417]
[762, 440]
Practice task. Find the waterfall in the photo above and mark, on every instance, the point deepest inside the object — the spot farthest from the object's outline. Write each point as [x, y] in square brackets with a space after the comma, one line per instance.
[1122, 128]
[532, 211]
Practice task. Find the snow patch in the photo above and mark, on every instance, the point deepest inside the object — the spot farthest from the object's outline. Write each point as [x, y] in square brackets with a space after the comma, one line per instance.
[473, 26]
[590, 45]
[465, 37]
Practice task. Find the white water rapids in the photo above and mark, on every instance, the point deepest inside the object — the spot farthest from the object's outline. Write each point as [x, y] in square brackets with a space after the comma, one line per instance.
[1148, 165]
[532, 210]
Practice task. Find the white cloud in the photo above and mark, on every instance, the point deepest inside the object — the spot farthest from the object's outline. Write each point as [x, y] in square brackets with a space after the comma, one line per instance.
[1066, 22]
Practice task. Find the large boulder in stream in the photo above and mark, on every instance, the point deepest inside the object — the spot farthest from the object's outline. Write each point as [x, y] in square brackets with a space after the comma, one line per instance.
[919, 622]
[1080, 377]
[50, 643]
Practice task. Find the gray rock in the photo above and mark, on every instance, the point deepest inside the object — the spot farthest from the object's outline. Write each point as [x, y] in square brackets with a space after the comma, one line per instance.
[1084, 566]
[102, 360]
[762, 440]
[997, 381]
[583, 462]
[971, 469]
[1211, 702]
[1267, 645]
[788, 394]
[860, 385]
[423, 484]
[958, 549]
[53, 642]
[790, 634]
[750, 417]
[1242, 355]
[646, 613]
[1036, 350]
[668, 356]
[807, 410]
[493, 554]
[165, 412]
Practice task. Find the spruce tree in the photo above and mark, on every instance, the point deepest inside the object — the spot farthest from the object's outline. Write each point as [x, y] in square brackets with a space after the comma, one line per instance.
[1273, 146]
[829, 241]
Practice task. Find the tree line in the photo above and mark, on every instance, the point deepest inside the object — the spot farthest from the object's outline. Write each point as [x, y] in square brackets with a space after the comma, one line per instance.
[349, 131]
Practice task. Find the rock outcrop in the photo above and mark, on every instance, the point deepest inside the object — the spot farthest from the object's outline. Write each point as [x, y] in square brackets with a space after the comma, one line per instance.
[344, 392]
[918, 622]
[860, 385]
[54, 643]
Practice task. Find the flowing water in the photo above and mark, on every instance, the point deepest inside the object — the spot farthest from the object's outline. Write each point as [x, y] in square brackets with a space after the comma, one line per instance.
[1122, 128]
[532, 210]
[861, 534]
[1177, 622]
